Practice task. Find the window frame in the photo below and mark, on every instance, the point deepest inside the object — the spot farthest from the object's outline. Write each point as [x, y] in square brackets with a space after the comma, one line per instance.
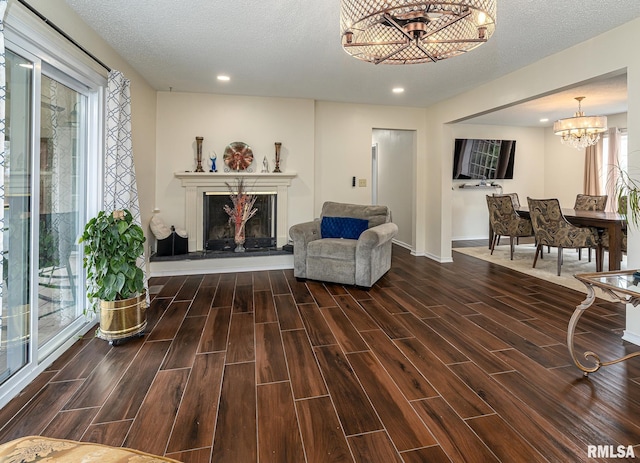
[54, 56]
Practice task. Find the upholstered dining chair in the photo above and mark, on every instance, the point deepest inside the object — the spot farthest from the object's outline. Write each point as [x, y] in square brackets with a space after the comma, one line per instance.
[552, 229]
[505, 221]
[514, 198]
[589, 203]
[516, 205]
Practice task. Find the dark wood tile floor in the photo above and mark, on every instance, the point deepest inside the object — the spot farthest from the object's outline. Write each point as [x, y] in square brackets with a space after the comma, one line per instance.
[455, 362]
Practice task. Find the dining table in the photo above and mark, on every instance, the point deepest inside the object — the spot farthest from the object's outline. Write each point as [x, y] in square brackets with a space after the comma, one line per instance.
[613, 222]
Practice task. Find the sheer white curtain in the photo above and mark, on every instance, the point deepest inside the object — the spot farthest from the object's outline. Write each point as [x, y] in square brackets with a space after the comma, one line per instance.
[120, 188]
[3, 94]
[611, 165]
[58, 199]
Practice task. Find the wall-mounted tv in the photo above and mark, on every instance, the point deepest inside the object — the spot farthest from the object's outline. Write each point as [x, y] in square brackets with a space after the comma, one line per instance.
[483, 159]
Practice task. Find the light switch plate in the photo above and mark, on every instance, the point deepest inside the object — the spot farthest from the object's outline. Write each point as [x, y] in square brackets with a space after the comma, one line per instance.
[362, 182]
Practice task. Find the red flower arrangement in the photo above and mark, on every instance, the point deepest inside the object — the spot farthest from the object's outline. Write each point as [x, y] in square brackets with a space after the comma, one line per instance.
[241, 211]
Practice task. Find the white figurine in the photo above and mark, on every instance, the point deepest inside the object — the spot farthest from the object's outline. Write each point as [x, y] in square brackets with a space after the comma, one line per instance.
[265, 166]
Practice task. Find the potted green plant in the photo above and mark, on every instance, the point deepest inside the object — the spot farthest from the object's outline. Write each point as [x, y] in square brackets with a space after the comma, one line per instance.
[112, 245]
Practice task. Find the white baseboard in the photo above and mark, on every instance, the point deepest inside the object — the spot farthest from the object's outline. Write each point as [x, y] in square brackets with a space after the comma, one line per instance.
[402, 244]
[469, 238]
[432, 257]
[633, 338]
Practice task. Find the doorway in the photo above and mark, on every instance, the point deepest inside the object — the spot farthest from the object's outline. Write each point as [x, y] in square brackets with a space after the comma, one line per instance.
[392, 178]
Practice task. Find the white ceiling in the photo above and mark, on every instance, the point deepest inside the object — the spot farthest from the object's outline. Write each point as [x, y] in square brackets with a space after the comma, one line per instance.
[291, 48]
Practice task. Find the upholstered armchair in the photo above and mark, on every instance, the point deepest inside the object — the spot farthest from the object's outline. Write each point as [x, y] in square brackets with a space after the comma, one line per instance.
[348, 244]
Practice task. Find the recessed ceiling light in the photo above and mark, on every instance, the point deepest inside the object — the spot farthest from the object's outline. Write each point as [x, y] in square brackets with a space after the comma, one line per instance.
[398, 90]
[544, 119]
[224, 78]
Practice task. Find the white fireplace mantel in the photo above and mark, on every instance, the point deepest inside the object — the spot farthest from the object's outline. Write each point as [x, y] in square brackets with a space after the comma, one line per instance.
[198, 183]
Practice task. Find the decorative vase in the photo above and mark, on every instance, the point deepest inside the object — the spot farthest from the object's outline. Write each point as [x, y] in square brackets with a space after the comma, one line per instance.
[239, 238]
[277, 169]
[123, 318]
[199, 154]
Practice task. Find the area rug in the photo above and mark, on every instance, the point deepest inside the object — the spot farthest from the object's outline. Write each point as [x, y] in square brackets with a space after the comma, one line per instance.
[546, 268]
[37, 448]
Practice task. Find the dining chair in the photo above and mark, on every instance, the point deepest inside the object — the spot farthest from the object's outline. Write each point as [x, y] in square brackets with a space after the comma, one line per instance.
[551, 228]
[514, 198]
[516, 205]
[505, 221]
[589, 203]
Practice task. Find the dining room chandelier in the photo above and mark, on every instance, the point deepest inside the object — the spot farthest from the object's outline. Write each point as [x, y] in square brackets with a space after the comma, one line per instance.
[580, 131]
[411, 32]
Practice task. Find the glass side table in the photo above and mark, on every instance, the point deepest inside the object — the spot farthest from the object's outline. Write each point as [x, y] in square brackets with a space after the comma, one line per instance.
[622, 286]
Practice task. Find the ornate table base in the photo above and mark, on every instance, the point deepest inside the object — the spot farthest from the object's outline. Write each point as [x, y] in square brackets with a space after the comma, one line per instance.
[622, 287]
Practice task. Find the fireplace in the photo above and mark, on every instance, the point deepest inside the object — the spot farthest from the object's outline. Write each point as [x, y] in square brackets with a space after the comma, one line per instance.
[260, 230]
[196, 184]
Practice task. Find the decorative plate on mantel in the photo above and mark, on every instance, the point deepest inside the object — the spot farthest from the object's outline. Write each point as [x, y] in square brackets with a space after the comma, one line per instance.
[238, 156]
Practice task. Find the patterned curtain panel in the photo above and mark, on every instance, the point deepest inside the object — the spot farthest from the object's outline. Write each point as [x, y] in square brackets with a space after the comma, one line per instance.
[3, 91]
[120, 189]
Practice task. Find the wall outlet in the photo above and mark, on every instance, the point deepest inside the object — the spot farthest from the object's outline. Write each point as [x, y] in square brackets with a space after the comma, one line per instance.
[362, 182]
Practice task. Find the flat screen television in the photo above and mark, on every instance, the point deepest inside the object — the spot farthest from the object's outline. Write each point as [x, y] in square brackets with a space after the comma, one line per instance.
[483, 159]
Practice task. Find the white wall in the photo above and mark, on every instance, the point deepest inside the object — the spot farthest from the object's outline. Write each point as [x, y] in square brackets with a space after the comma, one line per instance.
[343, 150]
[469, 213]
[223, 119]
[395, 190]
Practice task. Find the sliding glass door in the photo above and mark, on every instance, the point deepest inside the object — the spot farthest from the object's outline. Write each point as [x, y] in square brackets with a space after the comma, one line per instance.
[51, 137]
[15, 313]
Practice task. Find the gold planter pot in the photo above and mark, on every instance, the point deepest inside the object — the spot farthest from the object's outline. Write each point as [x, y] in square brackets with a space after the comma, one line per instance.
[123, 319]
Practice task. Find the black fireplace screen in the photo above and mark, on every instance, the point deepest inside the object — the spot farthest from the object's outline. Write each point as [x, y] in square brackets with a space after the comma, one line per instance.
[260, 230]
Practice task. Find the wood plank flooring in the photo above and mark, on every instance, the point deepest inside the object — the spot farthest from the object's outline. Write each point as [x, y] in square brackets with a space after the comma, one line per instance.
[460, 362]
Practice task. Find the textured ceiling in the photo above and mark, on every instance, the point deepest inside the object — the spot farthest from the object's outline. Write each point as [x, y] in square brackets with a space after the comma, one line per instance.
[291, 48]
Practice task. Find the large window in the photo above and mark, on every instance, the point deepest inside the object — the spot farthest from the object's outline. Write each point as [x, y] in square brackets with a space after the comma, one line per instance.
[622, 158]
[52, 150]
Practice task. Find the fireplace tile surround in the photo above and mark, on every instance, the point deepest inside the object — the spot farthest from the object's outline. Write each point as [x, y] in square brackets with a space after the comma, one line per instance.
[196, 184]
